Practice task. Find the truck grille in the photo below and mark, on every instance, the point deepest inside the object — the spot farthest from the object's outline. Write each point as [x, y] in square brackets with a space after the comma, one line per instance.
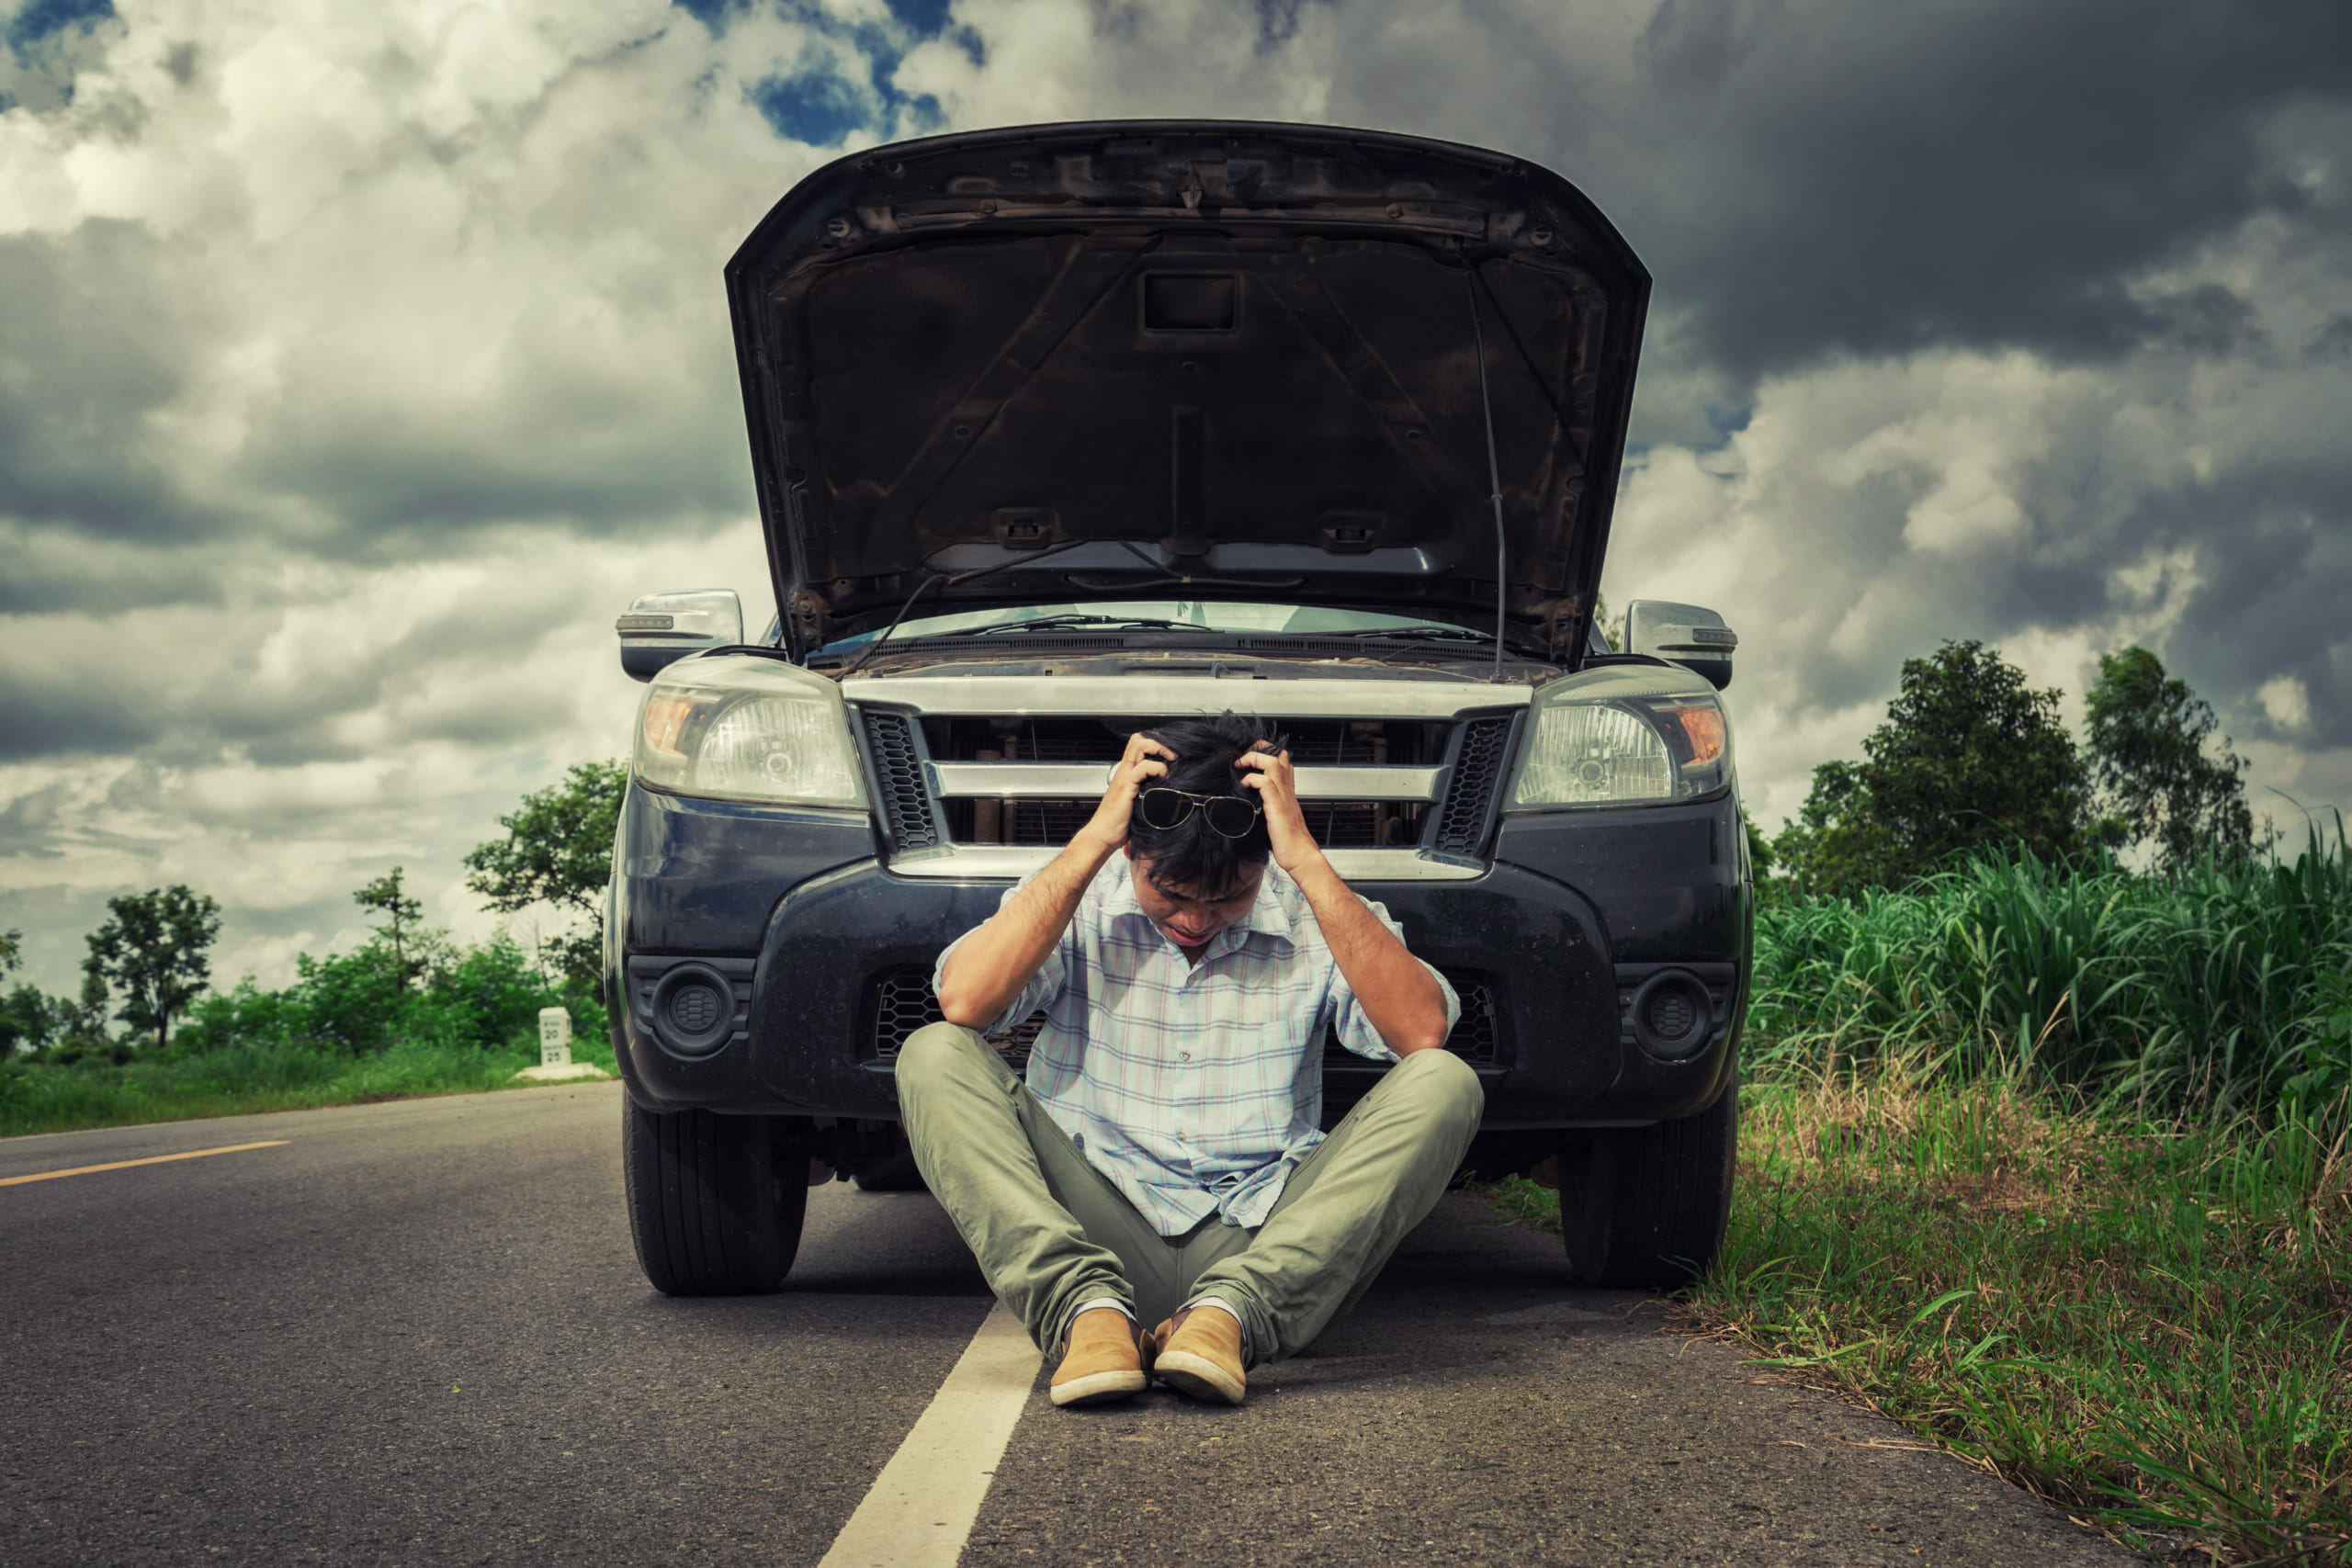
[903, 1003]
[1049, 824]
[1031, 813]
[898, 768]
[1477, 771]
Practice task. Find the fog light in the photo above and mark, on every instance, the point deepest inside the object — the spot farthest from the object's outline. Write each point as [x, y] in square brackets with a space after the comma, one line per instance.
[1673, 1016]
[695, 1008]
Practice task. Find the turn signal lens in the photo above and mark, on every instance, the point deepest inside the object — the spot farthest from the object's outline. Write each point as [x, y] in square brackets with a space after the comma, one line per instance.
[1704, 728]
[666, 718]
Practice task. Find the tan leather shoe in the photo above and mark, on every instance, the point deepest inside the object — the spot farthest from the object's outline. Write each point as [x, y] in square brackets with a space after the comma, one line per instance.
[1198, 1354]
[1102, 1359]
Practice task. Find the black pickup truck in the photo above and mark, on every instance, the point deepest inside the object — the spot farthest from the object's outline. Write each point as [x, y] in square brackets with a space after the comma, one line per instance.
[1063, 430]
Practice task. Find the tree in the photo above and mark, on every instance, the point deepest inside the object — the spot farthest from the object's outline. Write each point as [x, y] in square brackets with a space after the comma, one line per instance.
[410, 945]
[1761, 857]
[1830, 846]
[559, 849]
[28, 1019]
[154, 952]
[24, 1012]
[1969, 758]
[2148, 736]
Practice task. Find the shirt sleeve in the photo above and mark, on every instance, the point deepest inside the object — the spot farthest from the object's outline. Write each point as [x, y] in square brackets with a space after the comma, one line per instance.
[1350, 1024]
[1046, 985]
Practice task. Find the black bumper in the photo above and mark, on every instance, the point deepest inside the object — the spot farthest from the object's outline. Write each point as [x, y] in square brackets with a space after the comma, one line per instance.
[791, 927]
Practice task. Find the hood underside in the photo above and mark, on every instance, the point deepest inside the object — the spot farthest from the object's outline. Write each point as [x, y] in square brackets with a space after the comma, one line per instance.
[1074, 362]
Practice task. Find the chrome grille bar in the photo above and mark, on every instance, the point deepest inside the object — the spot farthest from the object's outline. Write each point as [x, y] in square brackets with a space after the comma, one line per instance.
[1013, 862]
[1081, 781]
[1167, 696]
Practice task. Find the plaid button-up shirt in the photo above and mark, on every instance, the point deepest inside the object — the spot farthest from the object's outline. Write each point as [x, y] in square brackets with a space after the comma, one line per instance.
[1194, 1089]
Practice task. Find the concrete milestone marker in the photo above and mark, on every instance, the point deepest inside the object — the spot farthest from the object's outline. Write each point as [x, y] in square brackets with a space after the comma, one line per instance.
[555, 1065]
[555, 1037]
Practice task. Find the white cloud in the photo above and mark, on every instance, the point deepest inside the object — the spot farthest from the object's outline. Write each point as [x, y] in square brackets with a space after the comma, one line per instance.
[2287, 702]
[1871, 510]
[363, 361]
[475, 681]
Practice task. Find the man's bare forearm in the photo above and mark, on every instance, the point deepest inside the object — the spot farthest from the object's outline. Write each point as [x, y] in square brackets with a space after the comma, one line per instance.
[996, 963]
[1398, 995]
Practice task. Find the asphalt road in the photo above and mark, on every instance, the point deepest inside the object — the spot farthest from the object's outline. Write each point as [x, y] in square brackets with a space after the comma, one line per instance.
[415, 1334]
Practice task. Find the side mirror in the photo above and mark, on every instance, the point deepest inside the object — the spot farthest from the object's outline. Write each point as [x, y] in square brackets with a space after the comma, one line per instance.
[661, 629]
[1683, 633]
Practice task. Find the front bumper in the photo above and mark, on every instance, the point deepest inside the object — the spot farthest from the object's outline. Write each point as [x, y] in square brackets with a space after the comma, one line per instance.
[792, 927]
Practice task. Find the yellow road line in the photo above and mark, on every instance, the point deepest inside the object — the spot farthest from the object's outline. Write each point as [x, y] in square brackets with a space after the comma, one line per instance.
[127, 1164]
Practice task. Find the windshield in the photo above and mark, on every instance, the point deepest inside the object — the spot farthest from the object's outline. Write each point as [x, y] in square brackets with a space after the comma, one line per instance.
[1210, 615]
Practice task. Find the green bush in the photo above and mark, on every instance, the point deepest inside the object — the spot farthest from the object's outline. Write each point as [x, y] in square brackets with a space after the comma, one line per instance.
[347, 1030]
[2214, 990]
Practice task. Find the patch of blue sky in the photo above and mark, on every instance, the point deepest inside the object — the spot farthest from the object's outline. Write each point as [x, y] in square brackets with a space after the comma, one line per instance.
[816, 105]
[711, 13]
[924, 18]
[38, 19]
[921, 20]
[833, 94]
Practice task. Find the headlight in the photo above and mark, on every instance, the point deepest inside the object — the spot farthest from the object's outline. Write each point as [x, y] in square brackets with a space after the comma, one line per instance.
[741, 727]
[1623, 736]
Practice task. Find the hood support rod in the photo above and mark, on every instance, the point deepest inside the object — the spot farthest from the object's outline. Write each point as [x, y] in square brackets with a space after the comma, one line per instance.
[1494, 468]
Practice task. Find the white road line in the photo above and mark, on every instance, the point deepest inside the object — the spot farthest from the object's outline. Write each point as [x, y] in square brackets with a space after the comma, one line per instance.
[920, 1510]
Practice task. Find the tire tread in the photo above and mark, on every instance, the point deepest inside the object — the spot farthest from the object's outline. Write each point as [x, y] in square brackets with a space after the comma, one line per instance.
[708, 1211]
[1645, 1208]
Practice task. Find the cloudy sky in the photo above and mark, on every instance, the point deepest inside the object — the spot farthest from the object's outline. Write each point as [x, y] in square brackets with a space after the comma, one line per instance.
[359, 363]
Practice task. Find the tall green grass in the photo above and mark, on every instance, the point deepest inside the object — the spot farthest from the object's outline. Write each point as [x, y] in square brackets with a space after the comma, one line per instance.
[2222, 992]
[352, 1027]
[237, 1081]
[2051, 1163]
[2055, 1166]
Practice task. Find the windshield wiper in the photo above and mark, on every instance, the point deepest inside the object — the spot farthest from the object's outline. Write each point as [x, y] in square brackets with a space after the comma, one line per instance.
[1050, 623]
[1430, 633]
[1422, 634]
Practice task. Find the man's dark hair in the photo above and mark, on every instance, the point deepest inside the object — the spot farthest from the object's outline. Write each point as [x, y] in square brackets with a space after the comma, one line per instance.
[1192, 856]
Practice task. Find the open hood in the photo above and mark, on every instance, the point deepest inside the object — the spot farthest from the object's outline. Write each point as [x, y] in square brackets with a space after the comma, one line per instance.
[1064, 362]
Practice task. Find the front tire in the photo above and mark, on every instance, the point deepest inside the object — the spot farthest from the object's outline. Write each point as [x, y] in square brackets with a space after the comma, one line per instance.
[1645, 1208]
[715, 1202]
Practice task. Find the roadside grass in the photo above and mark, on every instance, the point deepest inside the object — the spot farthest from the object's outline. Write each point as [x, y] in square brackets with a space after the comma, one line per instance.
[2224, 990]
[262, 1076]
[2147, 1321]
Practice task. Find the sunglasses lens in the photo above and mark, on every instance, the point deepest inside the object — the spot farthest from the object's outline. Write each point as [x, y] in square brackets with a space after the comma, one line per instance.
[1229, 817]
[1163, 808]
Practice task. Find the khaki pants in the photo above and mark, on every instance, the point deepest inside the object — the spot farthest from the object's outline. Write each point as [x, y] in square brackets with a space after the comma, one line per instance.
[1052, 1232]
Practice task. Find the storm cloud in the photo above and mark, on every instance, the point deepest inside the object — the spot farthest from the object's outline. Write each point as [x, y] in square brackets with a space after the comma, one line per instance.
[357, 366]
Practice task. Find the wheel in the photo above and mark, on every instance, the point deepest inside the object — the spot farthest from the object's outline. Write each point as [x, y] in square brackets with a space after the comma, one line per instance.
[715, 1202]
[1644, 1208]
[898, 1176]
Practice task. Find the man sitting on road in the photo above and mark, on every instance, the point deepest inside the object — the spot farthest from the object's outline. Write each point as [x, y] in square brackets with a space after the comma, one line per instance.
[1165, 1161]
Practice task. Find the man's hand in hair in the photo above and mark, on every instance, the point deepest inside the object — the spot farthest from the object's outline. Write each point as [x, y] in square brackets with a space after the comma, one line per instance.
[1399, 995]
[1107, 830]
[1270, 773]
[992, 965]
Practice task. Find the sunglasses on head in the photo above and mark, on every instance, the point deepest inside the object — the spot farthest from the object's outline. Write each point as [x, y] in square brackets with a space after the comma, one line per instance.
[1161, 807]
